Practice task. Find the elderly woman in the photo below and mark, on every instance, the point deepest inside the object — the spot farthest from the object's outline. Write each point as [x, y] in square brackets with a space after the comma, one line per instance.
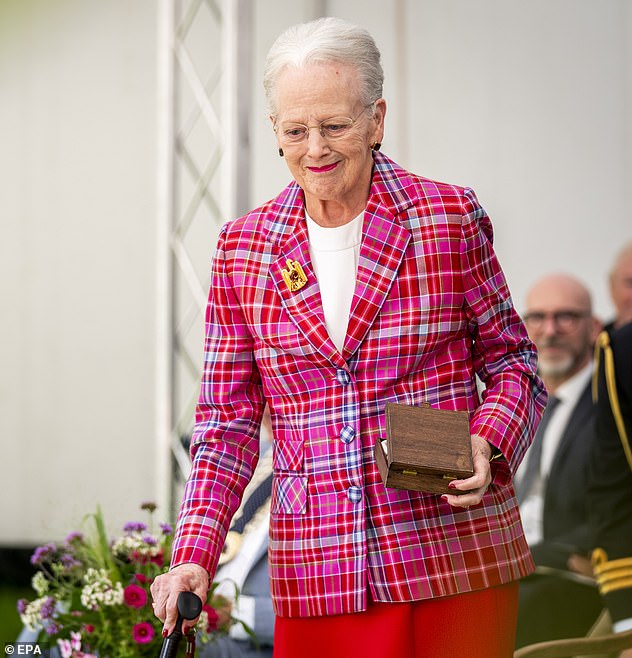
[360, 284]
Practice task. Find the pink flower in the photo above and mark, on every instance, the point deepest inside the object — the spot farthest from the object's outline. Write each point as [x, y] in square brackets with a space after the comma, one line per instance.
[159, 558]
[138, 557]
[135, 596]
[213, 618]
[143, 633]
[75, 640]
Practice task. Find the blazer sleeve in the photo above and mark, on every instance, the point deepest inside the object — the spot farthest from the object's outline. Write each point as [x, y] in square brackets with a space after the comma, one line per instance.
[225, 442]
[505, 359]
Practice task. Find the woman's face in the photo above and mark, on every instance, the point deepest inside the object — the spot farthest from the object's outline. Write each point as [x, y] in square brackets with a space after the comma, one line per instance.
[328, 170]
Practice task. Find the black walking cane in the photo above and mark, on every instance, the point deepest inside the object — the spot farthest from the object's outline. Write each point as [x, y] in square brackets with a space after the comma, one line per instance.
[189, 607]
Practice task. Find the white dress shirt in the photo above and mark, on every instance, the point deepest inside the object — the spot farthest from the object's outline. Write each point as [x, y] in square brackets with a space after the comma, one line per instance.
[335, 253]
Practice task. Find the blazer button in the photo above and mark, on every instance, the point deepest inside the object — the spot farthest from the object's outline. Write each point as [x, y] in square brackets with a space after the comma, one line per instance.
[343, 377]
[354, 494]
[347, 434]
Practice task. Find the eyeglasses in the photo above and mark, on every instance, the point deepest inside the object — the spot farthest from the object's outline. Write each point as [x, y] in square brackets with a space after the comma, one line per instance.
[564, 321]
[331, 129]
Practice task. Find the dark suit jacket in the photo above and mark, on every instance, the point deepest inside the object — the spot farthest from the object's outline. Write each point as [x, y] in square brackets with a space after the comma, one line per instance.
[551, 605]
[611, 477]
[566, 526]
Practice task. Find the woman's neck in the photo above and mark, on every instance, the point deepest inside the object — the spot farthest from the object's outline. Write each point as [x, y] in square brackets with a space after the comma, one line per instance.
[331, 214]
[342, 210]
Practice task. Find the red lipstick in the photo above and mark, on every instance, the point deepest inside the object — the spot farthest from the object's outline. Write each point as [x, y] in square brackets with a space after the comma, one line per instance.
[320, 170]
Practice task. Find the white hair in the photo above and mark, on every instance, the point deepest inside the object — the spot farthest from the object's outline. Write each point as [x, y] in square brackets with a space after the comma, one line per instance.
[326, 40]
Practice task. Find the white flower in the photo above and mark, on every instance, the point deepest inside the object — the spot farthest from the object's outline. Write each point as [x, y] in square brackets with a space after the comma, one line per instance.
[32, 615]
[99, 590]
[202, 621]
[40, 583]
[135, 542]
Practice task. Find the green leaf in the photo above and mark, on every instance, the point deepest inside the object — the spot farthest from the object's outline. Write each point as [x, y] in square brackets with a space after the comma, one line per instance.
[102, 546]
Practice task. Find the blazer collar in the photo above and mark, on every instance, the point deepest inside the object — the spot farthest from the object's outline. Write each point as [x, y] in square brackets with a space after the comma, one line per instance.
[392, 188]
[384, 241]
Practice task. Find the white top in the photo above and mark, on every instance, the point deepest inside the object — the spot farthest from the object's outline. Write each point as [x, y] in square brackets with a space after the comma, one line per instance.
[335, 253]
[568, 394]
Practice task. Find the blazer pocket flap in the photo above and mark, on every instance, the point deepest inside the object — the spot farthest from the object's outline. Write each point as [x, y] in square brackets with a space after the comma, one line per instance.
[288, 455]
[289, 494]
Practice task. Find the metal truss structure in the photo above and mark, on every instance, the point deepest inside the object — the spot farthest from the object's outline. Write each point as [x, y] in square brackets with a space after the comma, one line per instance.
[203, 150]
[205, 87]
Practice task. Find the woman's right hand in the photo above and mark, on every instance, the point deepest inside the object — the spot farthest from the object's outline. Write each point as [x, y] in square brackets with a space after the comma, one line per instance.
[165, 589]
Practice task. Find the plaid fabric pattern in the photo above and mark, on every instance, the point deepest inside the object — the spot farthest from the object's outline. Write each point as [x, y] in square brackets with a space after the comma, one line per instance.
[430, 310]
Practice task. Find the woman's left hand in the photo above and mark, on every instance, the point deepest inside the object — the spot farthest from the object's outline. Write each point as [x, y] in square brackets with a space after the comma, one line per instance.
[476, 485]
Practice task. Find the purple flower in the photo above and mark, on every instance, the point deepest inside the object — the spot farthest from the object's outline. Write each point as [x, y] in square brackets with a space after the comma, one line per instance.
[143, 633]
[52, 628]
[74, 537]
[149, 540]
[166, 529]
[134, 526]
[48, 608]
[69, 561]
[22, 603]
[42, 553]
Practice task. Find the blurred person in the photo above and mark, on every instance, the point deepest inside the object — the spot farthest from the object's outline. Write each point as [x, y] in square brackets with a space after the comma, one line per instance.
[358, 285]
[243, 572]
[611, 478]
[621, 288]
[551, 483]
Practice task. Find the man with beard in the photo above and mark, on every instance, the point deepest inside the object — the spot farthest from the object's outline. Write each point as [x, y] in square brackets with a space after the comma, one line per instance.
[551, 483]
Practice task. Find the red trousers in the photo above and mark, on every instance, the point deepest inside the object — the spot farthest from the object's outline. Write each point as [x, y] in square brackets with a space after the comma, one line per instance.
[479, 624]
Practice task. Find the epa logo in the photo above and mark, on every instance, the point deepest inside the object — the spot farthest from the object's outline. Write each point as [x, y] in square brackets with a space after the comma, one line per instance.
[23, 649]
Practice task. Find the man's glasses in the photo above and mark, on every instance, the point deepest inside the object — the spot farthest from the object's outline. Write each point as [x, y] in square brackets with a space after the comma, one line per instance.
[331, 129]
[564, 321]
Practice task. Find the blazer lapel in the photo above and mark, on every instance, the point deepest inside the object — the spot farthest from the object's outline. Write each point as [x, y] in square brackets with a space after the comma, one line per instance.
[384, 242]
[303, 305]
[383, 246]
[579, 419]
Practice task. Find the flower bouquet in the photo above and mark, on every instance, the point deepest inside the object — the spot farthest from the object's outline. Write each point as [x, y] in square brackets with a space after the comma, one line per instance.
[93, 594]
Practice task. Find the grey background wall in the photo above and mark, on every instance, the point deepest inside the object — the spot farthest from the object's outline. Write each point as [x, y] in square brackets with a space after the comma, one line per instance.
[528, 103]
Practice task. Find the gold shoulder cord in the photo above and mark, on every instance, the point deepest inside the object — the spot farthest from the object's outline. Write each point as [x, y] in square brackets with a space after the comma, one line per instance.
[611, 575]
[603, 344]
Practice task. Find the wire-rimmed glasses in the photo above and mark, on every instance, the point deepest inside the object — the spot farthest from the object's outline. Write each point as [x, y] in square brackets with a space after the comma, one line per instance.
[565, 321]
[292, 133]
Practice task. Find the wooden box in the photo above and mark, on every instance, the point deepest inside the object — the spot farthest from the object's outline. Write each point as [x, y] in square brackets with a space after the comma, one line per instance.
[425, 448]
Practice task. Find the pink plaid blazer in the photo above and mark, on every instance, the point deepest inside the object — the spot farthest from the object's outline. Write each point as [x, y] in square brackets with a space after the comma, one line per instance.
[431, 310]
